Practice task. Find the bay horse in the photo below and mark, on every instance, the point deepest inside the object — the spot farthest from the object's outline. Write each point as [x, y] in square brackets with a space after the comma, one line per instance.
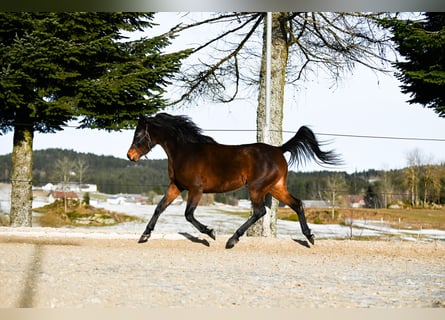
[198, 164]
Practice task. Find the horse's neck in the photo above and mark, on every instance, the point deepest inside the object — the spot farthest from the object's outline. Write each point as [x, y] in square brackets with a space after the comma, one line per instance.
[168, 148]
[170, 156]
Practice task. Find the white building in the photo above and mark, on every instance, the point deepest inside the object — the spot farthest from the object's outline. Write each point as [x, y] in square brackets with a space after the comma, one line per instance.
[49, 187]
[117, 199]
[75, 187]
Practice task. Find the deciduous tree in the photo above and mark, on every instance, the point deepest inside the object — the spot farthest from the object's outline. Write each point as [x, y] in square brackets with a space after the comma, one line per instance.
[63, 171]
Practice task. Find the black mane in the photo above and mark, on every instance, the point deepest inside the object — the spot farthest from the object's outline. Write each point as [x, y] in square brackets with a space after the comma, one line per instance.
[181, 127]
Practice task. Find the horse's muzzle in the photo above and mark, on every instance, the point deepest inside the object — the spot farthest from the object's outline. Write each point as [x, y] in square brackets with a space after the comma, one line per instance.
[133, 155]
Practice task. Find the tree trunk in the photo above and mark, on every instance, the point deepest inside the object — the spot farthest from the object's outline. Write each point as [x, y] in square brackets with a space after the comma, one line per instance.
[21, 190]
[267, 226]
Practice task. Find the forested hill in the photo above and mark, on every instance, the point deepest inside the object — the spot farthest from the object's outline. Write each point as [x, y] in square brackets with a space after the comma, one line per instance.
[110, 174]
[113, 175]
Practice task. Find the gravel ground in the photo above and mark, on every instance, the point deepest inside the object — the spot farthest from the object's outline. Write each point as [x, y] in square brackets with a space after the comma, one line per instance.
[39, 269]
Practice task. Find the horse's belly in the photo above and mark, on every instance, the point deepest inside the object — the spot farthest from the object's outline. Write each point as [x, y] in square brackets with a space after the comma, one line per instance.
[217, 183]
[211, 181]
[222, 186]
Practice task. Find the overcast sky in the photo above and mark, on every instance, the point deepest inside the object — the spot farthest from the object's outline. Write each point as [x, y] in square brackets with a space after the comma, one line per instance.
[363, 103]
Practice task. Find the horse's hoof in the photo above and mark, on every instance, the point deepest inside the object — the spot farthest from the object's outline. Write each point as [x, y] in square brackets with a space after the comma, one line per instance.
[144, 238]
[211, 234]
[231, 243]
[311, 239]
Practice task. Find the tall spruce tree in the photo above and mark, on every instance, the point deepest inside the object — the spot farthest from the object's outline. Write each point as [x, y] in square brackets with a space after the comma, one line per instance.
[422, 72]
[56, 67]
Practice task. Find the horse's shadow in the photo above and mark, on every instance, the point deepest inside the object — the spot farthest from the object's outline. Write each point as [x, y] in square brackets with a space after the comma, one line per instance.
[304, 243]
[195, 239]
[204, 242]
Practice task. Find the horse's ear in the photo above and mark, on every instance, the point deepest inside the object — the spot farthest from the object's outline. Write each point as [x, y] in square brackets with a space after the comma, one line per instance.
[142, 118]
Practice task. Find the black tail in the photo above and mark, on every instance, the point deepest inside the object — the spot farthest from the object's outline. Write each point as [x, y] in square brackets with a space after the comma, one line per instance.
[304, 146]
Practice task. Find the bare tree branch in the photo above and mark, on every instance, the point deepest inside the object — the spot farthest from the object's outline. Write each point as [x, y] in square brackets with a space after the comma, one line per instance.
[205, 77]
[231, 31]
[334, 41]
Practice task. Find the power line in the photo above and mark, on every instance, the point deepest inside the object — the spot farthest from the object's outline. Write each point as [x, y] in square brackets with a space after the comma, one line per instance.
[341, 135]
[338, 135]
[381, 137]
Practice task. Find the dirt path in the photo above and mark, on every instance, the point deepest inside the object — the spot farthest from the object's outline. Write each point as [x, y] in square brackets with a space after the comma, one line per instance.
[50, 272]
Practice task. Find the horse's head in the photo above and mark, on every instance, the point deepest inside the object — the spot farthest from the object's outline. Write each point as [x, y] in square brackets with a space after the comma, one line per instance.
[142, 141]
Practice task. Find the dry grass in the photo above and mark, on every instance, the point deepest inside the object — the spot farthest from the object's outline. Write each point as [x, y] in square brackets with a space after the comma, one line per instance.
[400, 218]
[53, 215]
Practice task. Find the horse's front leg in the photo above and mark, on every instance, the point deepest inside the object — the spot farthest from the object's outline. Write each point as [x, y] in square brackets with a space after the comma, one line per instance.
[192, 202]
[170, 195]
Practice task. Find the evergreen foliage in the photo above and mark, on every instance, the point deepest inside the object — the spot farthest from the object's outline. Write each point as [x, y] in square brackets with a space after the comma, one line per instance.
[59, 66]
[422, 72]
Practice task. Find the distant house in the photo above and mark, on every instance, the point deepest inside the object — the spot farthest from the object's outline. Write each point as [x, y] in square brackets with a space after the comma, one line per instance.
[87, 188]
[356, 201]
[76, 187]
[60, 195]
[48, 187]
[316, 204]
[117, 199]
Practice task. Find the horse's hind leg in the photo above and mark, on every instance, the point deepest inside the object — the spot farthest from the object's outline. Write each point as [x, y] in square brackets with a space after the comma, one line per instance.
[297, 206]
[284, 196]
[192, 203]
[170, 195]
